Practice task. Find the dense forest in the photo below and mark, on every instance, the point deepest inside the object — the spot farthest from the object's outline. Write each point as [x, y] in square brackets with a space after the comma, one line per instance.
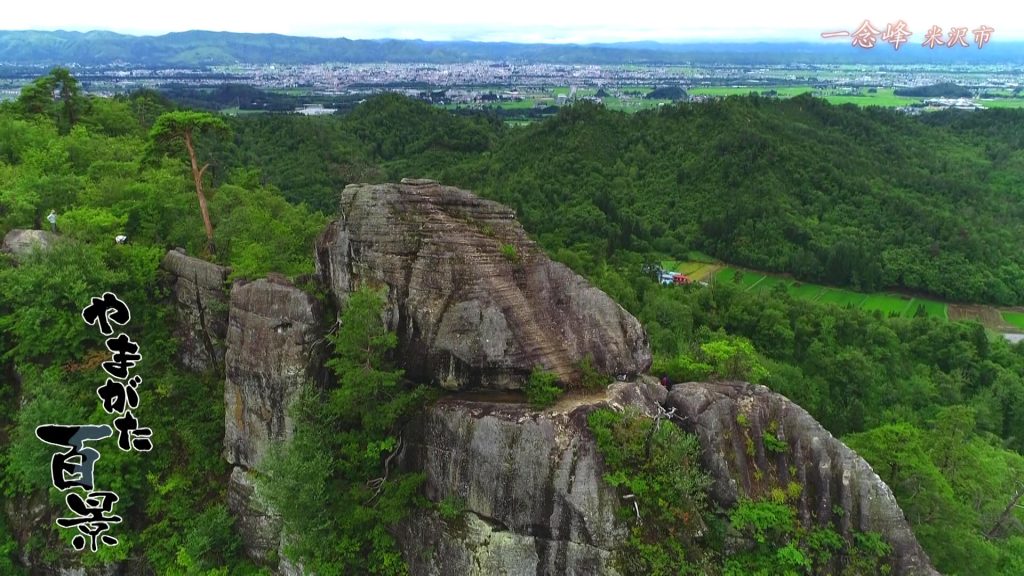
[865, 198]
[942, 90]
[250, 98]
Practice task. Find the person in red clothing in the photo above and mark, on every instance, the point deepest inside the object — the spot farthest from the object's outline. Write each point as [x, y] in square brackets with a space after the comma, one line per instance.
[665, 381]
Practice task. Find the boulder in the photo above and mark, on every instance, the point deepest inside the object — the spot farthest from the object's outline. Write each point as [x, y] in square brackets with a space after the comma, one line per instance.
[731, 420]
[474, 301]
[21, 243]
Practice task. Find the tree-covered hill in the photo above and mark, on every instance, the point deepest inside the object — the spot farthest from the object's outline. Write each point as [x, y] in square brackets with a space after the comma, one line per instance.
[862, 197]
[867, 198]
[208, 48]
[837, 194]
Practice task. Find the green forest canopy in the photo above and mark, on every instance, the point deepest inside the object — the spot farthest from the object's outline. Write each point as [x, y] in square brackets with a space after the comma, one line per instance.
[866, 198]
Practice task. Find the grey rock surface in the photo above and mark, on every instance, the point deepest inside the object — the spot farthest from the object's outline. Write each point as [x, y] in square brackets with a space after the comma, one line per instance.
[731, 420]
[257, 524]
[21, 243]
[474, 301]
[530, 481]
[270, 355]
[473, 546]
[275, 346]
[200, 294]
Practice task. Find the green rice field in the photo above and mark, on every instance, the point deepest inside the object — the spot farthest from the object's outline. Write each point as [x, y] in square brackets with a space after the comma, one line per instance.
[1003, 103]
[885, 302]
[1015, 318]
[881, 97]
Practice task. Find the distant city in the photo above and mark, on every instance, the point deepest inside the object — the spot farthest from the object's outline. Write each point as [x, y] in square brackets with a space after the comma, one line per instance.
[518, 76]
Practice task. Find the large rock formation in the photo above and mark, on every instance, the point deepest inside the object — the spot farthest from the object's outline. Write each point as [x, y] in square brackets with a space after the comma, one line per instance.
[533, 499]
[477, 305]
[200, 293]
[21, 243]
[732, 419]
[474, 301]
[275, 345]
[530, 483]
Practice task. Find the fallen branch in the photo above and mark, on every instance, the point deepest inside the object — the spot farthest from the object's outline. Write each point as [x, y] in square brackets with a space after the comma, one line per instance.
[334, 328]
[636, 506]
[377, 484]
[662, 414]
[1007, 512]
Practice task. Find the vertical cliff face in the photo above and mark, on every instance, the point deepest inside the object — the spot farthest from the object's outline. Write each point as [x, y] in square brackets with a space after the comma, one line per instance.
[272, 330]
[732, 420]
[275, 345]
[528, 483]
[200, 295]
[532, 499]
[474, 301]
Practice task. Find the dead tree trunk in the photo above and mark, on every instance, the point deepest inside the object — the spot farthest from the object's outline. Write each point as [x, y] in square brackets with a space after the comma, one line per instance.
[1014, 503]
[197, 176]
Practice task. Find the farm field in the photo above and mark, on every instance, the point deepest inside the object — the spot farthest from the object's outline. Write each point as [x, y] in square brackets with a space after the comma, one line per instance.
[1003, 103]
[693, 269]
[878, 99]
[1014, 318]
[886, 303]
[841, 297]
[882, 97]
[631, 100]
[236, 111]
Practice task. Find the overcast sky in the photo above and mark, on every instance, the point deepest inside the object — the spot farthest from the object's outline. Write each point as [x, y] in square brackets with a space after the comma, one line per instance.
[517, 20]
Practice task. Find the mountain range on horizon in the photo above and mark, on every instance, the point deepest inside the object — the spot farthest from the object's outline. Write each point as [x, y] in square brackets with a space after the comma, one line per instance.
[197, 48]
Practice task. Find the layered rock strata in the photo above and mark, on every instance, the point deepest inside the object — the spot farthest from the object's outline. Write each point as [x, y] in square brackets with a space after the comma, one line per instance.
[474, 301]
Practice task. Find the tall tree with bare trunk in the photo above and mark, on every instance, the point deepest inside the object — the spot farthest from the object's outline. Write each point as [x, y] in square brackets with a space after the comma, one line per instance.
[185, 126]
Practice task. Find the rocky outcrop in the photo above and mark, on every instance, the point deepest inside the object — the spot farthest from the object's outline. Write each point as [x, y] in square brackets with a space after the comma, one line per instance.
[475, 546]
[474, 301]
[529, 482]
[257, 524]
[533, 501]
[200, 294]
[275, 345]
[477, 305]
[732, 419]
[25, 518]
[21, 243]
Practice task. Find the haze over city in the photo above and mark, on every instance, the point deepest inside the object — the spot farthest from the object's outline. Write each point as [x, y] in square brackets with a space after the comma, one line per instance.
[525, 21]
